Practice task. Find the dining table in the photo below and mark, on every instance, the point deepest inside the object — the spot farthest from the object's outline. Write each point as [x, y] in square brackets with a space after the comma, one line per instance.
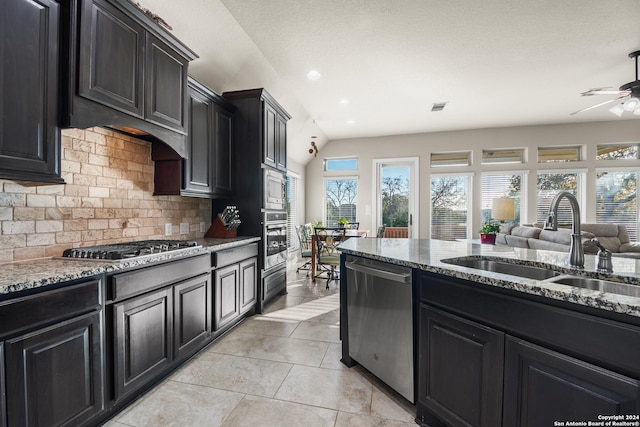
[349, 233]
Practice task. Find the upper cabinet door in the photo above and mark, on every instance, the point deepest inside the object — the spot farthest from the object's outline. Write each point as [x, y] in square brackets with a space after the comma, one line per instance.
[29, 133]
[281, 143]
[111, 62]
[166, 84]
[223, 120]
[270, 130]
[197, 168]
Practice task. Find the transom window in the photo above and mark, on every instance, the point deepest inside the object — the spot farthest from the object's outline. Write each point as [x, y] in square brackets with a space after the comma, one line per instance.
[559, 154]
[617, 151]
[344, 164]
[459, 158]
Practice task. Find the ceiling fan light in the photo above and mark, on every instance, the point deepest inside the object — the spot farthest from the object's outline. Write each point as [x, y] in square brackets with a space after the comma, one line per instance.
[617, 110]
[631, 104]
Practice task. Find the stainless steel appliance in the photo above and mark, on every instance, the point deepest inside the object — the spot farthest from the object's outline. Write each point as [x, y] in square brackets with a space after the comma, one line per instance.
[275, 239]
[129, 250]
[275, 189]
[380, 316]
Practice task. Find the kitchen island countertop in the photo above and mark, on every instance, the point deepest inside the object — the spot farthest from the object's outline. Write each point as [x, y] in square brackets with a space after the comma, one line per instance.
[26, 275]
[427, 255]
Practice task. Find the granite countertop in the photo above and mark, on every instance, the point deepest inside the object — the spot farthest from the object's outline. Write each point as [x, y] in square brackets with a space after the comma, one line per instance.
[21, 276]
[427, 255]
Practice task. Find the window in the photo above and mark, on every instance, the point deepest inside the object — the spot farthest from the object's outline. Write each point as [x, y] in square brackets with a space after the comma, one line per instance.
[461, 158]
[616, 200]
[617, 152]
[340, 200]
[559, 154]
[346, 164]
[551, 183]
[292, 211]
[502, 156]
[495, 185]
[449, 207]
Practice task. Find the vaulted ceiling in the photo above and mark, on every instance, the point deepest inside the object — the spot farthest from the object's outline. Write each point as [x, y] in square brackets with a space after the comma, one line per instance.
[495, 62]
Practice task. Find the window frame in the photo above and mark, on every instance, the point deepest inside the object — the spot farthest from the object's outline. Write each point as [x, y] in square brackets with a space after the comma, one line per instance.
[356, 178]
[469, 176]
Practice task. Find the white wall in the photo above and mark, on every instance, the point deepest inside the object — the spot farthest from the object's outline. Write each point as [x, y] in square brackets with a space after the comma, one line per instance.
[422, 145]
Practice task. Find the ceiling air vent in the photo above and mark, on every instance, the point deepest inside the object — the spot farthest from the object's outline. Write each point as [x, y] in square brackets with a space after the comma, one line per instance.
[438, 106]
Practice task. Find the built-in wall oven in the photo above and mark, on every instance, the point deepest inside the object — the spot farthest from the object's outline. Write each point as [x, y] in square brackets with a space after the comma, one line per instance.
[275, 239]
[275, 189]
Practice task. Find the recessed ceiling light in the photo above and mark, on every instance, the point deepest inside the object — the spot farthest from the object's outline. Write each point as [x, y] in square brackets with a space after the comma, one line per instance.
[313, 75]
[344, 101]
[351, 122]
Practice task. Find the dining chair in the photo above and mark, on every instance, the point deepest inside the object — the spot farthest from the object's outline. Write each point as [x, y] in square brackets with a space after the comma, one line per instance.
[327, 255]
[304, 237]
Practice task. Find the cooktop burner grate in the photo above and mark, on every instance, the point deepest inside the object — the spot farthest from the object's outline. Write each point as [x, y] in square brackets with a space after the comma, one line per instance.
[129, 250]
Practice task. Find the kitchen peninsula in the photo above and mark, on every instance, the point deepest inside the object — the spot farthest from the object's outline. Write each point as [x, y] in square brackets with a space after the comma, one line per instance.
[495, 349]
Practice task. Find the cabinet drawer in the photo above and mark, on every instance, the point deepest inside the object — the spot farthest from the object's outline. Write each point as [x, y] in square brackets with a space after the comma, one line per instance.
[136, 282]
[235, 255]
[32, 311]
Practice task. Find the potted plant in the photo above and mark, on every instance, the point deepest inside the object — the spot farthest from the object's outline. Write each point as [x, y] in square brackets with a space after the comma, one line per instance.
[488, 233]
[342, 222]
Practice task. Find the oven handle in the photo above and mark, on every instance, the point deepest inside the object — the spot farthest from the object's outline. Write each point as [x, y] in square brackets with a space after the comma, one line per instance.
[272, 226]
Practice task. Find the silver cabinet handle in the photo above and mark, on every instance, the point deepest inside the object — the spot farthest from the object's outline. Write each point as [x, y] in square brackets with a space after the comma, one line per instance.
[384, 274]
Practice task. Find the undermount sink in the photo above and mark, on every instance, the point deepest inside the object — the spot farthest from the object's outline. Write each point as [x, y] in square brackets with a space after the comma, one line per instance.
[599, 285]
[530, 272]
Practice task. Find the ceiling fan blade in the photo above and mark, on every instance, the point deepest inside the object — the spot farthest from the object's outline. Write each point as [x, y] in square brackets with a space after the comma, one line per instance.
[598, 105]
[592, 92]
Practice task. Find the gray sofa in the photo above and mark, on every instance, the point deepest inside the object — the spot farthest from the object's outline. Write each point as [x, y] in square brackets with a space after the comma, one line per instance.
[612, 236]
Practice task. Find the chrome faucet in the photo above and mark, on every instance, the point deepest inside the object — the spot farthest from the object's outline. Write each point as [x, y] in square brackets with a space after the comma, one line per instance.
[576, 251]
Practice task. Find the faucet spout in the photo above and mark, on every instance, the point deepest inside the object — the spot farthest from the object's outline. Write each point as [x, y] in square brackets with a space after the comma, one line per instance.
[576, 251]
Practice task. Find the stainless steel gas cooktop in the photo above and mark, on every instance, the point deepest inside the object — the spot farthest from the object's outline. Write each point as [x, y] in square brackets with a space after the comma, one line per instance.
[129, 250]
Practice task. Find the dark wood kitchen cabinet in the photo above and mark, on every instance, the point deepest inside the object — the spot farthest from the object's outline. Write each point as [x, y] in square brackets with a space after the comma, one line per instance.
[207, 170]
[29, 129]
[460, 369]
[540, 382]
[161, 316]
[125, 72]
[192, 315]
[143, 339]
[263, 128]
[489, 357]
[235, 282]
[54, 366]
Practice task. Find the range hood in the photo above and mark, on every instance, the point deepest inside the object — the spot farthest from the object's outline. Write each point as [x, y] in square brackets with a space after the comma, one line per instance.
[138, 88]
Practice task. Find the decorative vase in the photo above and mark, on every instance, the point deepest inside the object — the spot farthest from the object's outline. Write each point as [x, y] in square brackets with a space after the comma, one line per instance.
[487, 239]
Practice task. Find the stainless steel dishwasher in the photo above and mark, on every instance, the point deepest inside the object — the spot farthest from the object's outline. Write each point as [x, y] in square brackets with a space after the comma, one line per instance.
[379, 307]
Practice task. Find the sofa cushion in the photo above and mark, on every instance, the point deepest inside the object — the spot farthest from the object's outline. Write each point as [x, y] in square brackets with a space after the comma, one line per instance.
[527, 232]
[517, 241]
[547, 245]
[630, 247]
[562, 235]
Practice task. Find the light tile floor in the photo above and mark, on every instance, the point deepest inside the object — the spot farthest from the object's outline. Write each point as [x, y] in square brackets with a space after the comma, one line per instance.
[281, 368]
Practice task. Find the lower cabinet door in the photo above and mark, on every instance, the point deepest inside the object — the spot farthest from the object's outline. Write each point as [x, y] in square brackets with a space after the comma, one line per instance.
[192, 314]
[459, 370]
[227, 295]
[55, 375]
[249, 282]
[542, 386]
[143, 339]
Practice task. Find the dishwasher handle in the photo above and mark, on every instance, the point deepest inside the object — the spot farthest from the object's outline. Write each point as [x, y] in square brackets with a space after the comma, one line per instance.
[377, 272]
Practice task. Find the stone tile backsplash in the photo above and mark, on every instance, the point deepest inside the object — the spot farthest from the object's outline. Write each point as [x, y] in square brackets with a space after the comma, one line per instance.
[107, 198]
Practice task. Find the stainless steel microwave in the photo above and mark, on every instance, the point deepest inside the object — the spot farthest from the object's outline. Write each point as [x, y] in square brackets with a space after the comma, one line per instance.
[275, 189]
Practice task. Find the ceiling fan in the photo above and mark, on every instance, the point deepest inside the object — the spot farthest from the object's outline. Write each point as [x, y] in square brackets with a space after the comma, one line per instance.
[631, 89]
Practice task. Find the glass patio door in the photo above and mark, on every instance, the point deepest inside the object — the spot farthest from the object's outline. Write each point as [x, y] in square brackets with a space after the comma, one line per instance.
[396, 194]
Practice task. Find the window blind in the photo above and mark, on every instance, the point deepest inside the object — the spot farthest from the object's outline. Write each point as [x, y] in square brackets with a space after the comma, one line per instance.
[550, 184]
[340, 200]
[616, 201]
[449, 207]
[495, 186]
[292, 212]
